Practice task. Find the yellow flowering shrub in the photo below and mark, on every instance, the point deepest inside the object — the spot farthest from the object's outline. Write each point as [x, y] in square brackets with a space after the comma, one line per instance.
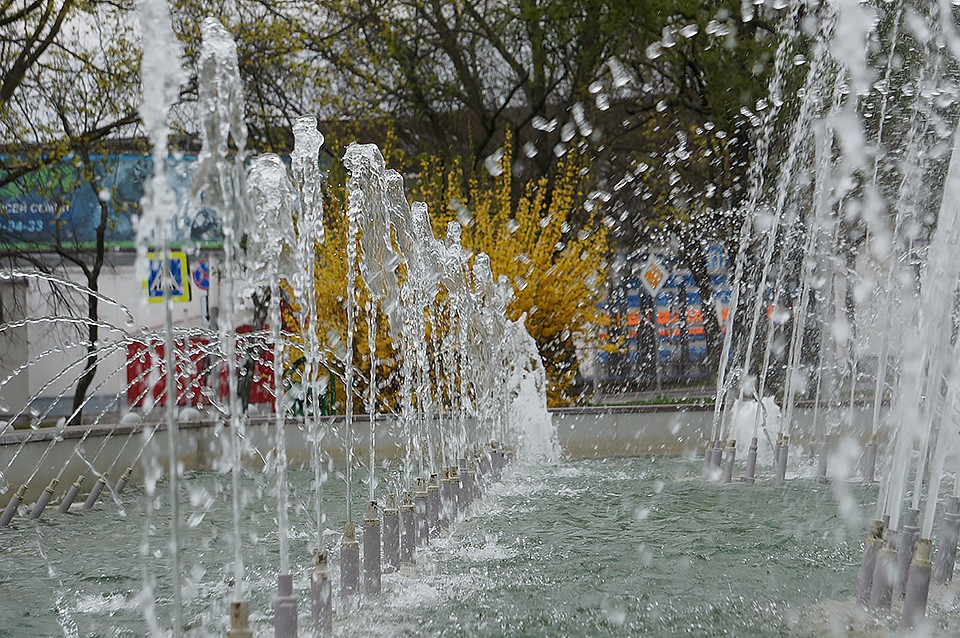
[556, 267]
[553, 252]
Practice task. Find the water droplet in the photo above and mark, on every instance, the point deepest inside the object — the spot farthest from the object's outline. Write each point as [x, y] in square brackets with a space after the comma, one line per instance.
[492, 162]
[668, 40]
[543, 125]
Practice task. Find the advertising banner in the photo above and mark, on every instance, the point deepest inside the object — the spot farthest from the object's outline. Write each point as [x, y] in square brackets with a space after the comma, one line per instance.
[60, 205]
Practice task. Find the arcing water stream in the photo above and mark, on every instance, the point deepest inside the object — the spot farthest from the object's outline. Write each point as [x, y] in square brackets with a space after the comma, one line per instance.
[874, 131]
[272, 221]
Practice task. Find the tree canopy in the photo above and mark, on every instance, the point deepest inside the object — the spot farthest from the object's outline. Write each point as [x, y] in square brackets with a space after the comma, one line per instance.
[498, 99]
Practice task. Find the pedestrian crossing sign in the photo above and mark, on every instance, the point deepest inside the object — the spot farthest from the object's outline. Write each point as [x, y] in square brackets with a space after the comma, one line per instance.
[174, 278]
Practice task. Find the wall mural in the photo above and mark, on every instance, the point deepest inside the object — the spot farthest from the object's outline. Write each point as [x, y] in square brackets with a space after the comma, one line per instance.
[58, 205]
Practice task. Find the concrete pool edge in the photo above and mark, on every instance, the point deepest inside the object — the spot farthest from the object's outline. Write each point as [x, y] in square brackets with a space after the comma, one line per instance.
[583, 432]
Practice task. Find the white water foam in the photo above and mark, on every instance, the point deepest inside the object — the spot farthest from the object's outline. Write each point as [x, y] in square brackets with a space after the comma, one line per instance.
[527, 388]
[743, 423]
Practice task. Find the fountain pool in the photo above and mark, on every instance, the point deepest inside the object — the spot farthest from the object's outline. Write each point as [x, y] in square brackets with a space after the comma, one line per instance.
[840, 244]
[595, 547]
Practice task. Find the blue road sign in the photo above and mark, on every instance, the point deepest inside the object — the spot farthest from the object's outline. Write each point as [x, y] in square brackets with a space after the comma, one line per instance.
[201, 274]
[172, 278]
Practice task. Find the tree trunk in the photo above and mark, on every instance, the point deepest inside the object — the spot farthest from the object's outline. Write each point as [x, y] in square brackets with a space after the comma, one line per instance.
[261, 305]
[93, 308]
[90, 367]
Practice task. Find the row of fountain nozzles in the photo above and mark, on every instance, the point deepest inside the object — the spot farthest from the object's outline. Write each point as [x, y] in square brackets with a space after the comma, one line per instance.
[69, 497]
[897, 564]
[713, 455]
[389, 538]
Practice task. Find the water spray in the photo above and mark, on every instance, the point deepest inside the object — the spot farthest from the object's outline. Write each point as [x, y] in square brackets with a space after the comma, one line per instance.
[731, 457]
[408, 531]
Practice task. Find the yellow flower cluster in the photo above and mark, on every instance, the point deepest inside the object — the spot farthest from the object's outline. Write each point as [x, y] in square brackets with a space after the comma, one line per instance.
[556, 267]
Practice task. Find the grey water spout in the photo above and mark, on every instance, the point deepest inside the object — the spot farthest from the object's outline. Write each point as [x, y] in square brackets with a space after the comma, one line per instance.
[371, 550]
[12, 506]
[408, 530]
[71, 495]
[321, 595]
[909, 533]
[871, 548]
[239, 620]
[918, 586]
[822, 461]
[885, 572]
[947, 548]
[44, 499]
[781, 473]
[433, 505]
[124, 479]
[349, 565]
[421, 513]
[731, 457]
[95, 493]
[285, 608]
[751, 475]
[870, 460]
[391, 535]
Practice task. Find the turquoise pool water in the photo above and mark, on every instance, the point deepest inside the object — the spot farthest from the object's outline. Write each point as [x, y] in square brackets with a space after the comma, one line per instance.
[616, 547]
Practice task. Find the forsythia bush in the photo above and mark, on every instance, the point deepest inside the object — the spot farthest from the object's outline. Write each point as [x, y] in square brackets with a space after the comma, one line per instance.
[330, 284]
[553, 252]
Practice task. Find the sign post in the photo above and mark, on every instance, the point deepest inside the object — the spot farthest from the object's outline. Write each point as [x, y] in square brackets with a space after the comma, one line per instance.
[201, 279]
[654, 277]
